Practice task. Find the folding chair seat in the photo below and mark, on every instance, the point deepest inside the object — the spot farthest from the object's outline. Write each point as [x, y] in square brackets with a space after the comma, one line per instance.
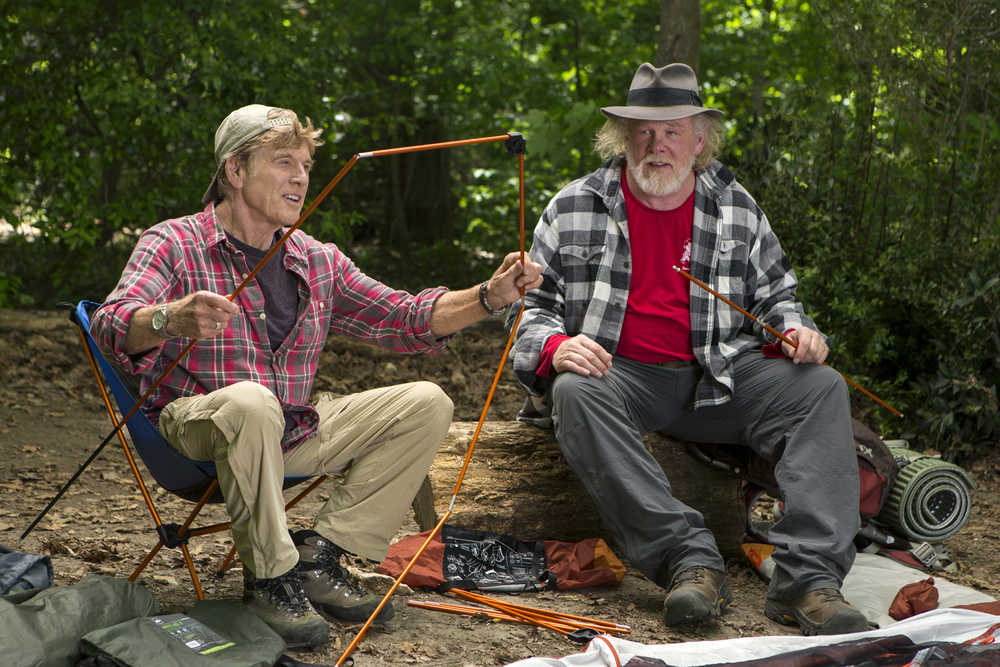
[191, 480]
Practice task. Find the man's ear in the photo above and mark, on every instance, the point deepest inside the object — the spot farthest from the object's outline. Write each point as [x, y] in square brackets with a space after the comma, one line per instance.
[234, 172]
[700, 144]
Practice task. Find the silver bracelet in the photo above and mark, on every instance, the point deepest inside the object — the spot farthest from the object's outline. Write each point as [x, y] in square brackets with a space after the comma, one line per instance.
[486, 304]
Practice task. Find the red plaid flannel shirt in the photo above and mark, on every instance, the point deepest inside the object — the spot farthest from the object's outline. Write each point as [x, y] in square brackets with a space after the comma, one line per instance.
[180, 256]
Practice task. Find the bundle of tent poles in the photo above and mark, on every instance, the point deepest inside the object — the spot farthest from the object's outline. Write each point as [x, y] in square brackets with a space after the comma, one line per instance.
[577, 628]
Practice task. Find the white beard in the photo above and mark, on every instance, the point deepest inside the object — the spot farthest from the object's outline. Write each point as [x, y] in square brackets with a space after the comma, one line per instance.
[659, 184]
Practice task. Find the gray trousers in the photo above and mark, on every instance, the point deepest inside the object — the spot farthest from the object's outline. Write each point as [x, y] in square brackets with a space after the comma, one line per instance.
[796, 416]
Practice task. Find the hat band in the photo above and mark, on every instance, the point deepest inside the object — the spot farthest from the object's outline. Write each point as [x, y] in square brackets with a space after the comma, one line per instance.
[662, 97]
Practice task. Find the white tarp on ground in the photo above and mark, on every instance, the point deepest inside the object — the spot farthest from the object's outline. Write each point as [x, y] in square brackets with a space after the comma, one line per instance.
[940, 625]
[873, 582]
[870, 586]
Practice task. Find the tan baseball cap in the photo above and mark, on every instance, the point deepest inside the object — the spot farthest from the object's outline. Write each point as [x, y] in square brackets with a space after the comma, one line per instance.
[238, 128]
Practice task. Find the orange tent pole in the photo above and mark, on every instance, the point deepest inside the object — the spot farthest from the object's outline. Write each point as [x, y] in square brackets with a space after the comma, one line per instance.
[782, 337]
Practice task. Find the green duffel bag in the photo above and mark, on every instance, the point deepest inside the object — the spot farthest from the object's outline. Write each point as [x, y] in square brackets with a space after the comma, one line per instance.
[213, 633]
[45, 630]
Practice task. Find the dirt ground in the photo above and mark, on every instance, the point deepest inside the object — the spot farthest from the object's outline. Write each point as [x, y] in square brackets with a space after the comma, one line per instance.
[51, 419]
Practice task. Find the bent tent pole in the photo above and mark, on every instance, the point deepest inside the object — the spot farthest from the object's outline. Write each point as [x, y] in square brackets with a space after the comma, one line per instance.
[782, 337]
[515, 146]
[515, 143]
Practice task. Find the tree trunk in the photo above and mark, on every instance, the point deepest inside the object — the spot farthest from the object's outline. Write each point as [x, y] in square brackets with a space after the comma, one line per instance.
[680, 30]
[518, 483]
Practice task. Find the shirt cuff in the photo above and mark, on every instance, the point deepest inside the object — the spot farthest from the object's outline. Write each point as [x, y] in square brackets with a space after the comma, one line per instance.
[544, 369]
[773, 350]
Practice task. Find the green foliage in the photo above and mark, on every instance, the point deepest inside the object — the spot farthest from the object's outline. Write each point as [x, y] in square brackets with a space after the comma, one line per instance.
[11, 293]
[963, 412]
[866, 131]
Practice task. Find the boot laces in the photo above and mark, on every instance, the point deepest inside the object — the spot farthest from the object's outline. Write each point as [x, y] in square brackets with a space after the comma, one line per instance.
[286, 593]
[694, 575]
[328, 559]
[828, 595]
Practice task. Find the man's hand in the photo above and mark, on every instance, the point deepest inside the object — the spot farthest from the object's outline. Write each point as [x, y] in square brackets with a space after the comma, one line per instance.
[581, 355]
[506, 282]
[197, 315]
[811, 347]
[200, 315]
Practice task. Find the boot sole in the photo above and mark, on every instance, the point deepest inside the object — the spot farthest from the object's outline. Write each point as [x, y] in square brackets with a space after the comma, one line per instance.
[356, 615]
[306, 637]
[838, 624]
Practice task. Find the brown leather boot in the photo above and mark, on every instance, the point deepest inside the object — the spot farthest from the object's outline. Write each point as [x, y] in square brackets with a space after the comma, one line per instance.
[281, 603]
[820, 612]
[329, 585]
[696, 594]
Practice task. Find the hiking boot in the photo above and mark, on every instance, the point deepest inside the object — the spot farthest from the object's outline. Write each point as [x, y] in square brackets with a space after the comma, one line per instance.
[329, 585]
[282, 604]
[821, 612]
[696, 594]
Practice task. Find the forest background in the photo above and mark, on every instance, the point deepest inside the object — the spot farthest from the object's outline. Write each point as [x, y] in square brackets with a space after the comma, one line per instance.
[867, 130]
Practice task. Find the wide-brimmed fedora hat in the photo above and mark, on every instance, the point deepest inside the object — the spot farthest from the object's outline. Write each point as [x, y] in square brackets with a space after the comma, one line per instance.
[238, 128]
[662, 93]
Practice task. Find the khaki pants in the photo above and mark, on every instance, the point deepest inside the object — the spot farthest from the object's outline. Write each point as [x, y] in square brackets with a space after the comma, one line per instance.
[381, 442]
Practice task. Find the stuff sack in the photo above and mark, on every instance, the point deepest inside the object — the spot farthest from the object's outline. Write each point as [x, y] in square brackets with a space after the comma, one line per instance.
[478, 560]
[22, 574]
[46, 629]
[213, 633]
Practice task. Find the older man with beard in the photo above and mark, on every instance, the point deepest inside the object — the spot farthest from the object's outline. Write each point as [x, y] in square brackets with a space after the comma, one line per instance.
[618, 344]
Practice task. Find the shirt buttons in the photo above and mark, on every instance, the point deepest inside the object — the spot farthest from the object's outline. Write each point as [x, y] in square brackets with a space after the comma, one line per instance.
[243, 275]
[263, 316]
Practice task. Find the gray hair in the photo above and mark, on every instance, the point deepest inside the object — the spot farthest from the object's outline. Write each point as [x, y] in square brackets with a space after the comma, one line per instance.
[295, 134]
[610, 139]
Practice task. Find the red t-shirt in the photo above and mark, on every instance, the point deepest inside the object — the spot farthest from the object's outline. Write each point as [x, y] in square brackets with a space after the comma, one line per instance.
[657, 324]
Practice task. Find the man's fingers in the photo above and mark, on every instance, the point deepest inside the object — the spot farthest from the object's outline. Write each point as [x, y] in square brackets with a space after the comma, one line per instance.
[811, 348]
[597, 351]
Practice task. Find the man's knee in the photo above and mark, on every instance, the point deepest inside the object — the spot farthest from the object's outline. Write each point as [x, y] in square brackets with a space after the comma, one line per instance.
[250, 404]
[248, 396]
[828, 386]
[432, 403]
[571, 392]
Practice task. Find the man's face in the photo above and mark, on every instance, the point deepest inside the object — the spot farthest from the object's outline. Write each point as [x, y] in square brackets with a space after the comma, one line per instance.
[275, 182]
[661, 153]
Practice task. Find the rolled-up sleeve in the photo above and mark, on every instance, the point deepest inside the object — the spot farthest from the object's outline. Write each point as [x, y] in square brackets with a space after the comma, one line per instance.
[144, 281]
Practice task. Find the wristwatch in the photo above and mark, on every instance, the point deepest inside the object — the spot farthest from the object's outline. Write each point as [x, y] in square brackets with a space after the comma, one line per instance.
[486, 304]
[160, 321]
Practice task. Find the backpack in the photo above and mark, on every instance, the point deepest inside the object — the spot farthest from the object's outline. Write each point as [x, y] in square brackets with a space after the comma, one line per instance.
[882, 531]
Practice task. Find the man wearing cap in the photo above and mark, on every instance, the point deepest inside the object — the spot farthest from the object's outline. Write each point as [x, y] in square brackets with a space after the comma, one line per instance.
[242, 396]
[616, 343]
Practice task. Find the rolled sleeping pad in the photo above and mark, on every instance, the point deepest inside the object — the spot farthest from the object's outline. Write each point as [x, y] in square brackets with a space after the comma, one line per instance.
[930, 500]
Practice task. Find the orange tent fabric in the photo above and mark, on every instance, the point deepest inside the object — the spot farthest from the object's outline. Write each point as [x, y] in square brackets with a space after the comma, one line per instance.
[500, 558]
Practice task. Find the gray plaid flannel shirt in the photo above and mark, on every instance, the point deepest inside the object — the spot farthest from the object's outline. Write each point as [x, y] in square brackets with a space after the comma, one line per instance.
[582, 243]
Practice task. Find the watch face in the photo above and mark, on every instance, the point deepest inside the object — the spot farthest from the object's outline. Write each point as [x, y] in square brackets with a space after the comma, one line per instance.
[159, 319]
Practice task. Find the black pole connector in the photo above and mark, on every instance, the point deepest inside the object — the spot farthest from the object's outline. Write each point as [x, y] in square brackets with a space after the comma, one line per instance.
[582, 635]
[168, 535]
[515, 143]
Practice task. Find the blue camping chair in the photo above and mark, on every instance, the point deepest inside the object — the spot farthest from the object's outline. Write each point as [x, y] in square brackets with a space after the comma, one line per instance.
[189, 479]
